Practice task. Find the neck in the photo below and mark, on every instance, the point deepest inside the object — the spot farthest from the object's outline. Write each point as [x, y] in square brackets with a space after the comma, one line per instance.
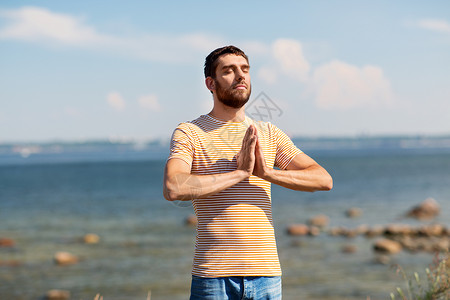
[226, 113]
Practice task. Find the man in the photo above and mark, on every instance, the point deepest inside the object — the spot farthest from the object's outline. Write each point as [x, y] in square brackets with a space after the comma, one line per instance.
[224, 162]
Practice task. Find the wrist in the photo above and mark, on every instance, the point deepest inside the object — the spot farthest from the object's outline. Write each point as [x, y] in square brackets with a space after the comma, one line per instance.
[266, 173]
[242, 174]
[263, 172]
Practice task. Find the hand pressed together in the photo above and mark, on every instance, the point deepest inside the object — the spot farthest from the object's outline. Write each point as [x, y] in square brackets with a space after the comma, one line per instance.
[251, 158]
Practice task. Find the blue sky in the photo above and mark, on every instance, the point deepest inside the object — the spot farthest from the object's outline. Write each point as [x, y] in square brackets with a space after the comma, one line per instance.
[81, 70]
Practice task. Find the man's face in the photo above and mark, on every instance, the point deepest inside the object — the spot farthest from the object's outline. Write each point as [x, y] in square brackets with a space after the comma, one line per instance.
[232, 82]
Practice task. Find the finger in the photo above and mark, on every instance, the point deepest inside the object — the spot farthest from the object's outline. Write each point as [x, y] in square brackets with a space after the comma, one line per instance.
[252, 144]
[248, 132]
[258, 149]
[247, 140]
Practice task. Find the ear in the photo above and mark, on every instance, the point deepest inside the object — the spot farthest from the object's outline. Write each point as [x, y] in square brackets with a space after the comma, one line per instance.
[210, 84]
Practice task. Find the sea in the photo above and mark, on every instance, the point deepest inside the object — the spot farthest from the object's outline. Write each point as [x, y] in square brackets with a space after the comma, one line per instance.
[53, 194]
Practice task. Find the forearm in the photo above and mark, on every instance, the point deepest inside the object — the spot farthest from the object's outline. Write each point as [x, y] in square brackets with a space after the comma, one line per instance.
[187, 186]
[313, 178]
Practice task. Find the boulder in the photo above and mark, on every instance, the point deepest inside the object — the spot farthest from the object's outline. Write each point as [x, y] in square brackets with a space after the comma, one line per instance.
[319, 221]
[428, 209]
[7, 243]
[362, 229]
[425, 244]
[57, 295]
[354, 212]
[314, 231]
[351, 233]
[408, 243]
[298, 229]
[387, 246]
[91, 238]
[432, 230]
[398, 229]
[442, 245]
[65, 258]
[375, 231]
[446, 231]
[336, 231]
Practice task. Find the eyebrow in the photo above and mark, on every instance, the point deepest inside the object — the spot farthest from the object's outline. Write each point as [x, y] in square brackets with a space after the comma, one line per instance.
[234, 65]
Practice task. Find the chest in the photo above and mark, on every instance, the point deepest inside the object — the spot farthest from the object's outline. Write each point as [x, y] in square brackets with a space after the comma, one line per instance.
[216, 150]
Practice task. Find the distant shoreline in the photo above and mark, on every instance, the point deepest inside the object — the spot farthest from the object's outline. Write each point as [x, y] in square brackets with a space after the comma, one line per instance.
[112, 150]
[307, 142]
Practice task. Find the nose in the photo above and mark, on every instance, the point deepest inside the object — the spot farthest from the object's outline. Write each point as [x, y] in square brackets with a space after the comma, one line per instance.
[240, 74]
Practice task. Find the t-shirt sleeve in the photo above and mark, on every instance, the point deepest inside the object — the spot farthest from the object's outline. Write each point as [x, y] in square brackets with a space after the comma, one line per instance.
[181, 144]
[285, 148]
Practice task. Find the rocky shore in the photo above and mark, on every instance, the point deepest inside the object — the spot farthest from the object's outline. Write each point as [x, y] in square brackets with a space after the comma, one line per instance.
[426, 236]
[390, 238]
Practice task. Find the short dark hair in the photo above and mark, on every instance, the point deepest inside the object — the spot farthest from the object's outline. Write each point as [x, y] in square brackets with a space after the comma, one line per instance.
[211, 59]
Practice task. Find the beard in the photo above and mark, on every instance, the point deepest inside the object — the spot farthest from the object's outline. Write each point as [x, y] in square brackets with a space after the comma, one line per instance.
[232, 97]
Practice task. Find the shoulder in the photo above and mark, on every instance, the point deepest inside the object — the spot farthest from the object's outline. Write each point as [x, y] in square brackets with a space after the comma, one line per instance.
[266, 127]
[190, 126]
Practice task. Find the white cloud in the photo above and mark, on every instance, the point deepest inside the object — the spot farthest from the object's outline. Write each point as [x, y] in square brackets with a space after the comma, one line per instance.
[435, 25]
[149, 102]
[333, 85]
[289, 54]
[285, 58]
[341, 85]
[269, 75]
[37, 24]
[116, 101]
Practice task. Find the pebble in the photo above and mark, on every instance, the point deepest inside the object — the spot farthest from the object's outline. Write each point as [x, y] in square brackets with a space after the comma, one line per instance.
[65, 258]
[426, 210]
[91, 238]
[314, 231]
[7, 243]
[354, 212]
[387, 246]
[298, 229]
[57, 295]
[319, 221]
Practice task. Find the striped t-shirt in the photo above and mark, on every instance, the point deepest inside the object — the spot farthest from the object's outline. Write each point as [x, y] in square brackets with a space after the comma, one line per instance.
[235, 234]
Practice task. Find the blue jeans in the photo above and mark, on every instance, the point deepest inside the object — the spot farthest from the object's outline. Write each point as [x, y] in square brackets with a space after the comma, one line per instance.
[236, 288]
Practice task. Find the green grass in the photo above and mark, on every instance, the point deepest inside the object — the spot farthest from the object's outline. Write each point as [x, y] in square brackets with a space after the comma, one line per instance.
[436, 286]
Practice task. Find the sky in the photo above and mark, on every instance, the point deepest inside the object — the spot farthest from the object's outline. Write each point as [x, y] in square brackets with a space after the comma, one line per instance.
[121, 70]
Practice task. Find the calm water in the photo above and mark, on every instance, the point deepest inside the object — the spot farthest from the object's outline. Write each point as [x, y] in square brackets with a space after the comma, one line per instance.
[47, 206]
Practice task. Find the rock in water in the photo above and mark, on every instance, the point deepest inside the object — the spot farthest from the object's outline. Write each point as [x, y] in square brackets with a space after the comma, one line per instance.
[428, 209]
[314, 231]
[57, 295]
[298, 229]
[7, 243]
[387, 246]
[91, 238]
[354, 212]
[319, 221]
[65, 258]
